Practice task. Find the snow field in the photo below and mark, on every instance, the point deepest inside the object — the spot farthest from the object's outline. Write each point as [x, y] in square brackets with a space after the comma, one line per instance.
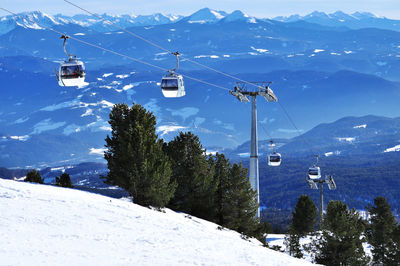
[46, 225]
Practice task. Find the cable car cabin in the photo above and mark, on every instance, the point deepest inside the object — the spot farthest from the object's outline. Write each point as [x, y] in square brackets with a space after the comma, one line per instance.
[172, 86]
[71, 73]
[314, 172]
[274, 159]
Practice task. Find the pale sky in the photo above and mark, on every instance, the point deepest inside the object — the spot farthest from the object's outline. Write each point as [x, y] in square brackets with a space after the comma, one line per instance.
[257, 8]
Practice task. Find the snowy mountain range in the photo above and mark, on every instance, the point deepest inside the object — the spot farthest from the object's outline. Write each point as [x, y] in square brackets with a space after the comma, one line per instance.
[320, 74]
[32, 20]
[93, 229]
[357, 20]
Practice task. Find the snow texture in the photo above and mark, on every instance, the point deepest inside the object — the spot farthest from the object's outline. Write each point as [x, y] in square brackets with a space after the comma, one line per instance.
[395, 148]
[349, 139]
[46, 225]
[168, 129]
[361, 126]
[99, 151]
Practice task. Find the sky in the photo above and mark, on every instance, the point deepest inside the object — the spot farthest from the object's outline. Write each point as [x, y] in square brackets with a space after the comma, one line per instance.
[257, 8]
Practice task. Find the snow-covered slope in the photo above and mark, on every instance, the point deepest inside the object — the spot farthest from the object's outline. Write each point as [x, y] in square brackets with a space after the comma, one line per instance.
[45, 225]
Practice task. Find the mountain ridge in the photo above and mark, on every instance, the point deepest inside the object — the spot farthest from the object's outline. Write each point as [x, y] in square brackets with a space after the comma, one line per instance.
[355, 20]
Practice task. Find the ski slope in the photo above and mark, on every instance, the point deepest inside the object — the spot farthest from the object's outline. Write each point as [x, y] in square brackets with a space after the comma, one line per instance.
[47, 225]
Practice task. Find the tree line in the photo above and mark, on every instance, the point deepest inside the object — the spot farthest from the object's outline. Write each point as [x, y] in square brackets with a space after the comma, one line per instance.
[340, 238]
[178, 174]
[34, 176]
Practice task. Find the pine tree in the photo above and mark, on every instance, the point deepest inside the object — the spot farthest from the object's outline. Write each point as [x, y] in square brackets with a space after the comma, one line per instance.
[396, 240]
[135, 158]
[383, 233]
[64, 181]
[221, 168]
[304, 216]
[341, 239]
[292, 243]
[235, 202]
[190, 170]
[243, 200]
[34, 177]
[303, 222]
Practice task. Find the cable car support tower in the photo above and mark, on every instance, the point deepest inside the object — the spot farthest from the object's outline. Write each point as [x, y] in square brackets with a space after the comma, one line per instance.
[242, 94]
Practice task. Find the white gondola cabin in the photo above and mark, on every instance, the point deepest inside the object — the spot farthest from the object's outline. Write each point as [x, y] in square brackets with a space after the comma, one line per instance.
[314, 172]
[172, 85]
[274, 159]
[72, 71]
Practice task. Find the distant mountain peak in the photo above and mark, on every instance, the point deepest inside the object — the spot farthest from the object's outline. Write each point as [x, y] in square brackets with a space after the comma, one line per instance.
[364, 15]
[238, 15]
[206, 15]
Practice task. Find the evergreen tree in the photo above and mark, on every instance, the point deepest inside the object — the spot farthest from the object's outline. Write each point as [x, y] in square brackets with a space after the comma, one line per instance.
[64, 181]
[222, 208]
[235, 201]
[243, 200]
[341, 239]
[383, 233]
[190, 170]
[304, 216]
[292, 243]
[303, 222]
[396, 240]
[135, 158]
[34, 177]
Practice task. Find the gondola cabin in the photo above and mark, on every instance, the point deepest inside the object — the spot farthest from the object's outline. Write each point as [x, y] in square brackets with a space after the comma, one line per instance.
[71, 73]
[314, 172]
[172, 85]
[274, 159]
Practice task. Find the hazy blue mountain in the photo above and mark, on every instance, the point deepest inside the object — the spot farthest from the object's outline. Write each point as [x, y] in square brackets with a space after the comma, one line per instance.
[205, 15]
[319, 73]
[356, 20]
[228, 43]
[44, 124]
[33, 20]
[349, 136]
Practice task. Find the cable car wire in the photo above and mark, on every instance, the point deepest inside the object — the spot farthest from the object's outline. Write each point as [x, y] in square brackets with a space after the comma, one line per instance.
[119, 54]
[157, 45]
[297, 129]
[155, 66]
[187, 59]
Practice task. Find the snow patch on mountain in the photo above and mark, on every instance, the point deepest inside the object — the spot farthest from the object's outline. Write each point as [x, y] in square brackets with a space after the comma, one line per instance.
[327, 154]
[97, 151]
[87, 112]
[207, 56]
[205, 15]
[393, 149]
[77, 103]
[106, 75]
[261, 51]
[124, 76]
[20, 138]
[361, 126]
[347, 139]
[21, 120]
[185, 112]
[238, 15]
[46, 125]
[165, 129]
